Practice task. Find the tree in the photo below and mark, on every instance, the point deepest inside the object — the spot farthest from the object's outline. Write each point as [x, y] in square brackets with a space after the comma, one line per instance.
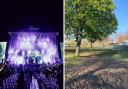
[120, 38]
[126, 36]
[90, 19]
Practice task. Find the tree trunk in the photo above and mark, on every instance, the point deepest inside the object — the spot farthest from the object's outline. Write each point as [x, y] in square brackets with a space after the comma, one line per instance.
[91, 44]
[78, 41]
[78, 48]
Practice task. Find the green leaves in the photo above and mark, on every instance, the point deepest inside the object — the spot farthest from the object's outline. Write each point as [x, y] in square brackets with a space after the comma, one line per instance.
[90, 19]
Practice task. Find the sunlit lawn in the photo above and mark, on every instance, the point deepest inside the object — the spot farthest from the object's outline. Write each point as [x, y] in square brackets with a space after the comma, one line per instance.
[71, 59]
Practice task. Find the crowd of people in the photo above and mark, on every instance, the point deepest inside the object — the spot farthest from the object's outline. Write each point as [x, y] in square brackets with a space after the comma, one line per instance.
[32, 76]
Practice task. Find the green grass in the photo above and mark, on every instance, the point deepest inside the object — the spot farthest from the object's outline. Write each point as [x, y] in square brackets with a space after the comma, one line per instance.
[70, 51]
[70, 55]
[71, 59]
[121, 55]
[104, 52]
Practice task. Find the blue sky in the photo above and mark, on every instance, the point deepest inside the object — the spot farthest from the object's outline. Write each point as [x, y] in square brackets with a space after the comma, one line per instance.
[121, 13]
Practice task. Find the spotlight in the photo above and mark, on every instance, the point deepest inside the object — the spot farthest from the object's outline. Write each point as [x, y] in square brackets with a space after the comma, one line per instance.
[44, 44]
[40, 62]
[20, 60]
[42, 52]
[16, 52]
[37, 53]
[28, 40]
[47, 59]
[33, 38]
[24, 39]
[29, 52]
[23, 53]
[39, 43]
[52, 51]
[47, 39]
[11, 51]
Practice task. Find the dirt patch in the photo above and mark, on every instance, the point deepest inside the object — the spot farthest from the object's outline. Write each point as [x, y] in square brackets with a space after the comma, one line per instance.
[97, 73]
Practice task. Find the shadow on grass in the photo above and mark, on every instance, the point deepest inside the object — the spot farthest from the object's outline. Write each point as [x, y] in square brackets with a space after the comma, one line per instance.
[113, 54]
[94, 80]
[72, 50]
[116, 54]
[105, 56]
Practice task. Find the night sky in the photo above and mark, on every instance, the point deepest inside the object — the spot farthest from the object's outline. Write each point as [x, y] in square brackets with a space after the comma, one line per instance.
[18, 14]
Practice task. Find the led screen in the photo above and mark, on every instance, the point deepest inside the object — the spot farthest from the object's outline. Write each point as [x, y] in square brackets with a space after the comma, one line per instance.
[2, 51]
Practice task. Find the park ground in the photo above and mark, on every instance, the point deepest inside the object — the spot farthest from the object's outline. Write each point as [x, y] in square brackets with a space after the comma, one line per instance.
[96, 68]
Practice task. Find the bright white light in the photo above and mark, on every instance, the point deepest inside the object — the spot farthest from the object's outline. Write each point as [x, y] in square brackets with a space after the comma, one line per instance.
[13, 59]
[29, 52]
[37, 53]
[21, 44]
[42, 52]
[26, 45]
[40, 62]
[24, 39]
[17, 60]
[52, 51]
[39, 43]
[33, 38]
[28, 40]
[16, 52]
[47, 59]
[11, 51]
[44, 44]
[23, 53]
[47, 39]
[54, 61]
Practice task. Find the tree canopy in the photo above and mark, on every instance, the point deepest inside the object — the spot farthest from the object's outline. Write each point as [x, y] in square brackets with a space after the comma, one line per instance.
[90, 19]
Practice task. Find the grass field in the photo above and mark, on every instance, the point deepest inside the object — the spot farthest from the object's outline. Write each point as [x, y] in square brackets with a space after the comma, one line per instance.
[71, 59]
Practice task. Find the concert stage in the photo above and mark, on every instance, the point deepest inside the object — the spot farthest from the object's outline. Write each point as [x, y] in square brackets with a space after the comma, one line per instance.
[33, 47]
[32, 61]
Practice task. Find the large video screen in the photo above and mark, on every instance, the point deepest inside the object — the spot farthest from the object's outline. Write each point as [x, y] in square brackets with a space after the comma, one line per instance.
[2, 51]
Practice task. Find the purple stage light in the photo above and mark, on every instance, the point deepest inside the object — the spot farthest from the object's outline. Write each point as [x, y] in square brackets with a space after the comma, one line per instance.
[33, 37]
[33, 45]
[28, 40]
[24, 40]
[16, 52]
[42, 52]
[41, 61]
[37, 53]
[47, 39]
[11, 51]
[52, 51]
[47, 59]
[29, 52]
[39, 43]
[20, 60]
[44, 44]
